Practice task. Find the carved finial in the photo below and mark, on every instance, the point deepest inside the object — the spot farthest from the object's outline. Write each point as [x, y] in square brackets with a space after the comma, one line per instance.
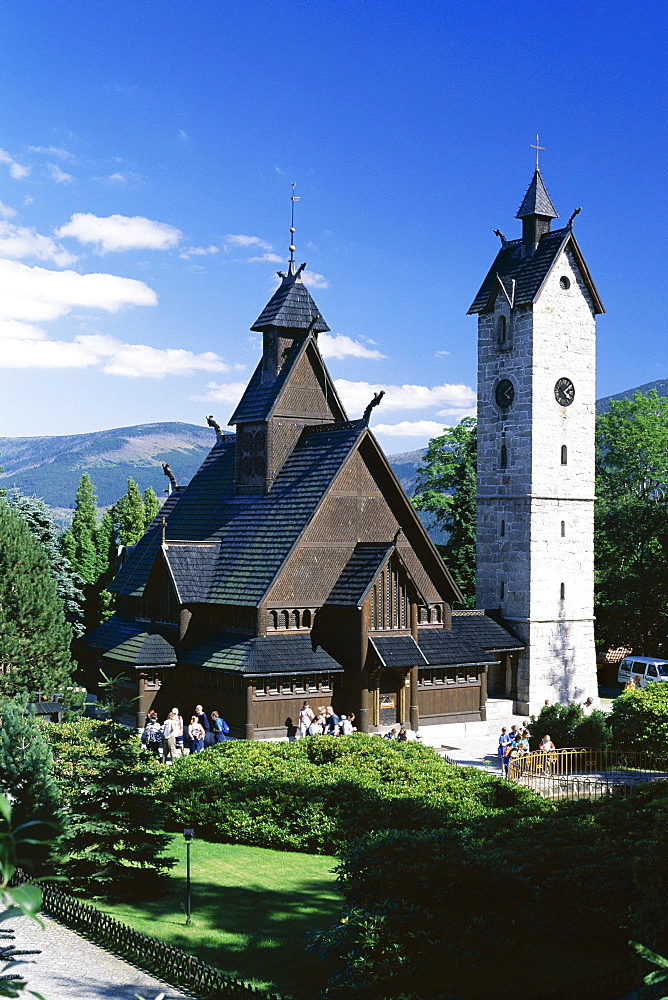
[313, 323]
[293, 199]
[570, 221]
[497, 232]
[216, 426]
[170, 475]
[374, 402]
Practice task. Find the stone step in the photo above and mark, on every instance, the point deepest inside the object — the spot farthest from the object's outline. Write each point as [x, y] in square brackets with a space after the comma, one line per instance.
[499, 708]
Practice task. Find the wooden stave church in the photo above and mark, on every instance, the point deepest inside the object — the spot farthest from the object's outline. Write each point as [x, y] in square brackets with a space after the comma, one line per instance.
[293, 567]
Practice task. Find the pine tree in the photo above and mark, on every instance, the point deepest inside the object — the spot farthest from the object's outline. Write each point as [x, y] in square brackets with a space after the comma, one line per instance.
[130, 514]
[26, 773]
[151, 506]
[34, 636]
[69, 584]
[79, 544]
[113, 844]
[446, 488]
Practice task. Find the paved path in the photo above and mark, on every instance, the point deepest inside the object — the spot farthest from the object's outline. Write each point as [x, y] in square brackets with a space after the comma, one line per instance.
[71, 967]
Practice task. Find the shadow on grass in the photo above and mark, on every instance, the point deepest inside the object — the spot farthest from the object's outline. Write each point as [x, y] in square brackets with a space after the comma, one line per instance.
[251, 933]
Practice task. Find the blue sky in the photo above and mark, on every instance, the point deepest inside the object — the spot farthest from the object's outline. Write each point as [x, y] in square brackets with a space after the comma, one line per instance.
[147, 153]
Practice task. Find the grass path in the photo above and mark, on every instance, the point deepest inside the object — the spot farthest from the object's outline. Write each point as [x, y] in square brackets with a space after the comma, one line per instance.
[251, 911]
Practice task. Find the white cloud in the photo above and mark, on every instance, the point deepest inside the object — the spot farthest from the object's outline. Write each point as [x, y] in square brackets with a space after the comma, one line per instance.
[58, 175]
[339, 346]
[6, 211]
[117, 178]
[198, 252]
[19, 242]
[36, 294]
[272, 258]
[314, 279]
[239, 240]
[120, 232]
[410, 428]
[182, 134]
[356, 395]
[222, 392]
[12, 329]
[53, 151]
[442, 354]
[16, 170]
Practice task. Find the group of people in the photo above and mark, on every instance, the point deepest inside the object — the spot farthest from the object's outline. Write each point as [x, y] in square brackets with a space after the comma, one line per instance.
[515, 744]
[324, 722]
[173, 737]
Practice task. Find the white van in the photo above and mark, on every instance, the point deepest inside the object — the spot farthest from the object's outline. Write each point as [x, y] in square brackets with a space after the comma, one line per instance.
[643, 669]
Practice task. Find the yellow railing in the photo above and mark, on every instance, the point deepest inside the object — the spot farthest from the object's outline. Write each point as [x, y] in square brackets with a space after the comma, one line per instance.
[584, 773]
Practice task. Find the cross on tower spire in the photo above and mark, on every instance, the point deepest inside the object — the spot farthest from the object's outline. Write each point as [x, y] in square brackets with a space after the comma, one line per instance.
[536, 147]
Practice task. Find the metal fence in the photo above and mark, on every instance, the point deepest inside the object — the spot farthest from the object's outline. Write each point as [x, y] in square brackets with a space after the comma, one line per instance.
[581, 773]
[171, 964]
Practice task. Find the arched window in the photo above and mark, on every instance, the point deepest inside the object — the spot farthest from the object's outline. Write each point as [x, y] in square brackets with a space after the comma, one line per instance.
[284, 620]
[501, 331]
[306, 619]
[563, 529]
[562, 591]
[294, 619]
[273, 619]
[564, 455]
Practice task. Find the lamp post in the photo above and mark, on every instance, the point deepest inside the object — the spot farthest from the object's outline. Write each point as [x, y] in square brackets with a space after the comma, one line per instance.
[189, 835]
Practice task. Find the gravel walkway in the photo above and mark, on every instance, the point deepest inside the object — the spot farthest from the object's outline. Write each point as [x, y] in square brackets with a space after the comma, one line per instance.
[71, 967]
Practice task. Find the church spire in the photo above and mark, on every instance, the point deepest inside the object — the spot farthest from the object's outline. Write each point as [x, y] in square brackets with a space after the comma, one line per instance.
[536, 212]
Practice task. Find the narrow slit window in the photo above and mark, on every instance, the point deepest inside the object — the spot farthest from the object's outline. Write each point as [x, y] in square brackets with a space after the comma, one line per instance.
[502, 529]
[564, 455]
[562, 591]
[502, 590]
[501, 331]
[503, 457]
[563, 529]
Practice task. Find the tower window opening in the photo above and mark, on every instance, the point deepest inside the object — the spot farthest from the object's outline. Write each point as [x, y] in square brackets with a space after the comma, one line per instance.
[564, 282]
[502, 529]
[564, 455]
[503, 456]
[502, 590]
[562, 591]
[501, 331]
[563, 529]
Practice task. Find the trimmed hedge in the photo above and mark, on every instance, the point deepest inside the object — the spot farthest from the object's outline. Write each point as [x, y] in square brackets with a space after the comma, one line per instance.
[321, 792]
[639, 719]
[570, 727]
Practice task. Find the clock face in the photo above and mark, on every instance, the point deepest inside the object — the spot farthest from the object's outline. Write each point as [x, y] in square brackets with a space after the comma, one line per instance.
[564, 391]
[504, 394]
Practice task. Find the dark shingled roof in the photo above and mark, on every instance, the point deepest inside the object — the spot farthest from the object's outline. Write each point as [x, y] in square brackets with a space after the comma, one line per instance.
[442, 646]
[537, 201]
[398, 650]
[192, 568]
[134, 643]
[530, 272]
[260, 398]
[359, 573]
[276, 654]
[266, 527]
[290, 307]
[202, 516]
[478, 627]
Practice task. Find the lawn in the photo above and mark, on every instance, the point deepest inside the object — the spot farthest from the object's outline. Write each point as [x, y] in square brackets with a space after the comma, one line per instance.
[251, 911]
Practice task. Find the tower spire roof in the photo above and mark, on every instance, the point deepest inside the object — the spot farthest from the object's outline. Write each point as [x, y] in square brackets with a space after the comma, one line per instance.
[537, 201]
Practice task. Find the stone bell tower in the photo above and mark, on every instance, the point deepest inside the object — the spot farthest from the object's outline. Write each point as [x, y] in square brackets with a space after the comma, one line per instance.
[536, 409]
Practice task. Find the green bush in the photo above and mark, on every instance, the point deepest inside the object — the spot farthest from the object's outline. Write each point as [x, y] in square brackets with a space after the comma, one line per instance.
[319, 793]
[593, 732]
[639, 719]
[560, 721]
[543, 896]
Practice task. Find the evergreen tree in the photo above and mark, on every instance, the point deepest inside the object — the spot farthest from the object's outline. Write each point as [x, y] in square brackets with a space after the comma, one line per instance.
[446, 488]
[113, 843]
[26, 772]
[151, 506]
[69, 584]
[130, 515]
[34, 636]
[79, 542]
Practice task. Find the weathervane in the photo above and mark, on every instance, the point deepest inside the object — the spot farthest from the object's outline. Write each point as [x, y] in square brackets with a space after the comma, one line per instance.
[536, 147]
[293, 199]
